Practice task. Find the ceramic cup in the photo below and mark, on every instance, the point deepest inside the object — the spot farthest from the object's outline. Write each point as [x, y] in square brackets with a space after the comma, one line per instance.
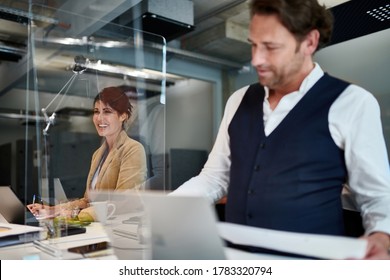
[103, 210]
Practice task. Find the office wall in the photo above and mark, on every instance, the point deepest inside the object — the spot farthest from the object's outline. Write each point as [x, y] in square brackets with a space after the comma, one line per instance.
[208, 72]
[189, 115]
[11, 131]
[189, 129]
[364, 61]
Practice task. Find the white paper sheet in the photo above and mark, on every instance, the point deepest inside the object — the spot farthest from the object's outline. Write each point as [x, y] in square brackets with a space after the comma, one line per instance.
[311, 245]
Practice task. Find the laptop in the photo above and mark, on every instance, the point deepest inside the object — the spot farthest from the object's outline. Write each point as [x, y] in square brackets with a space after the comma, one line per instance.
[183, 228]
[12, 209]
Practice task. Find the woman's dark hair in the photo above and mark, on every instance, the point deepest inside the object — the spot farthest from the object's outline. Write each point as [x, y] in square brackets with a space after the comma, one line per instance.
[116, 98]
[298, 16]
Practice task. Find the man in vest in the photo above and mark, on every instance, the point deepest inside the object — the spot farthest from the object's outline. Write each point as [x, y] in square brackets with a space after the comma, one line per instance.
[288, 144]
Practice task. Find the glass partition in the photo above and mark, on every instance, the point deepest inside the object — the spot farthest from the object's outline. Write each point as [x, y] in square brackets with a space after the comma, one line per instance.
[72, 59]
[62, 121]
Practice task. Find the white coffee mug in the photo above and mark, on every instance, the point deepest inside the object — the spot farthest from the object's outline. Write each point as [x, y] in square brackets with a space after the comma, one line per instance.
[103, 210]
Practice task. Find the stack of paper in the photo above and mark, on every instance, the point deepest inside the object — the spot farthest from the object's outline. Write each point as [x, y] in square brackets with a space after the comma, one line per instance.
[310, 245]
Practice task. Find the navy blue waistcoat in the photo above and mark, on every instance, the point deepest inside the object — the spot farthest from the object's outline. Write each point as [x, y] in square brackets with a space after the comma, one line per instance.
[292, 179]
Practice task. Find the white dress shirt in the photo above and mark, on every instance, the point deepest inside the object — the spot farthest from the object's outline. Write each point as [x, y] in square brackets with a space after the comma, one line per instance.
[355, 126]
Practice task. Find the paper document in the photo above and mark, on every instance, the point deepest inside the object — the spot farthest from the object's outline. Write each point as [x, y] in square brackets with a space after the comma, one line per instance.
[311, 245]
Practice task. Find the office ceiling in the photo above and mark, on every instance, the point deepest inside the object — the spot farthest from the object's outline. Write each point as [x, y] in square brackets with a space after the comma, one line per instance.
[216, 29]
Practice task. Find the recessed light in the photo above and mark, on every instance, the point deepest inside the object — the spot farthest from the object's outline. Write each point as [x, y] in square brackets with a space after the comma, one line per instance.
[380, 13]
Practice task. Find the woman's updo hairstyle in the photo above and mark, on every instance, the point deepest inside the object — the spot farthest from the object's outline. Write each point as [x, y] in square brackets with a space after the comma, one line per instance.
[116, 98]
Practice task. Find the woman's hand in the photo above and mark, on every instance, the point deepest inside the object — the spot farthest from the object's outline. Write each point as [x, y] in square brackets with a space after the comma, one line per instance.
[41, 211]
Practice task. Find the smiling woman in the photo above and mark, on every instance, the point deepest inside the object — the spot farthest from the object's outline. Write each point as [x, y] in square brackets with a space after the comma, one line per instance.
[112, 109]
[120, 162]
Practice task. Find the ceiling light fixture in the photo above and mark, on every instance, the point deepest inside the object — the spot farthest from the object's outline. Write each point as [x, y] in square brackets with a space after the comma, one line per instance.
[382, 13]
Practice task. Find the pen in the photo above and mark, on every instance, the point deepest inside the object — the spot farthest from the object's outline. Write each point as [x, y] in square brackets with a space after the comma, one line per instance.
[40, 200]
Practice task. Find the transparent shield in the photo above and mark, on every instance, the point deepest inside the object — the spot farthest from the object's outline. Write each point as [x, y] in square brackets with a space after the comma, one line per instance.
[69, 136]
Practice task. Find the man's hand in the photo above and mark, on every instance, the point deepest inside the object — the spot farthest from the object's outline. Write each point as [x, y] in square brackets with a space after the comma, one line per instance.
[378, 246]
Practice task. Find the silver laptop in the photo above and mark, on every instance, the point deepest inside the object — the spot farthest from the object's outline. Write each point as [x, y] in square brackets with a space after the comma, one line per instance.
[12, 209]
[182, 228]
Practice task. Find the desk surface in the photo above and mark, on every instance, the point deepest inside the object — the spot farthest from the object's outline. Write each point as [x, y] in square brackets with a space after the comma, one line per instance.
[123, 246]
[95, 233]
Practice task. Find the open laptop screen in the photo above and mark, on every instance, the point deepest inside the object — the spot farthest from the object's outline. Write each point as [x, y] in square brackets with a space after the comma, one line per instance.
[13, 210]
[183, 228]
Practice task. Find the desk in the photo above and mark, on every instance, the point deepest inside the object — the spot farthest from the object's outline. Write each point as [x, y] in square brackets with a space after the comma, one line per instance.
[123, 238]
[95, 233]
